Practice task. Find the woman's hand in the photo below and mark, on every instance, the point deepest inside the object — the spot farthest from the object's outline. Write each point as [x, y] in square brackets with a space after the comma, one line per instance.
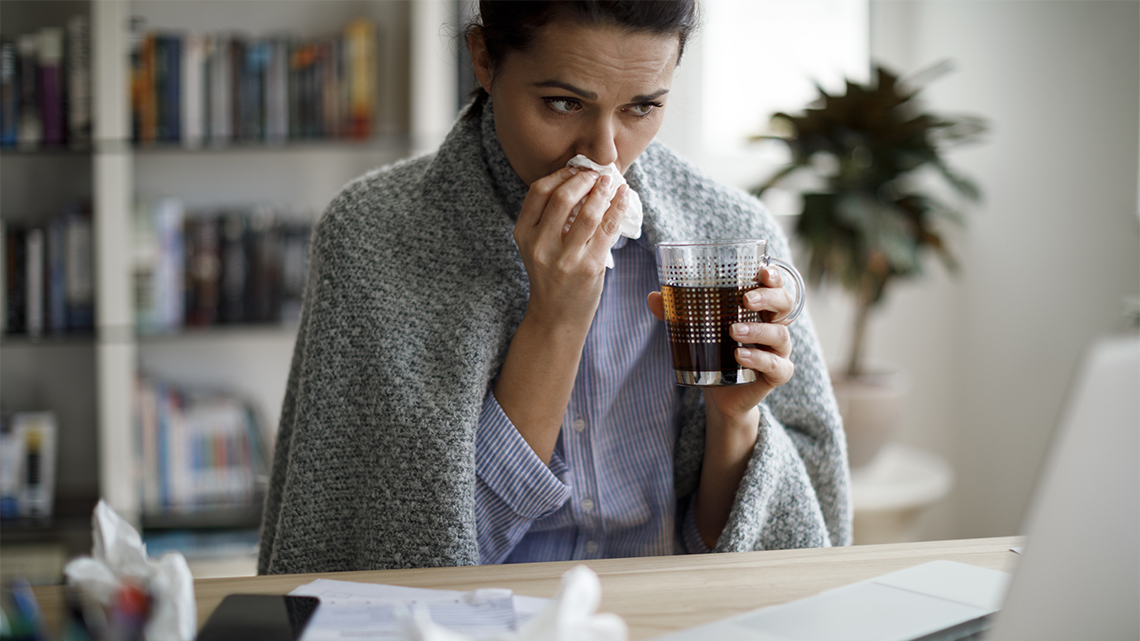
[732, 418]
[566, 268]
[566, 265]
[767, 351]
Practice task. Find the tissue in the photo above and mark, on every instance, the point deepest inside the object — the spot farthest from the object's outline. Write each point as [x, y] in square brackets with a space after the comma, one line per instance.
[631, 223]
[119, 555]
[572, 617]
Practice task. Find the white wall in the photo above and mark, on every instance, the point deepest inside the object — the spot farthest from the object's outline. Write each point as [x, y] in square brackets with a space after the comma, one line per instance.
[1048, 257]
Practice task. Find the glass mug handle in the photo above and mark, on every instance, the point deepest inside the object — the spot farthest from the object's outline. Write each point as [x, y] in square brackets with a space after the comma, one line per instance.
[798, 306]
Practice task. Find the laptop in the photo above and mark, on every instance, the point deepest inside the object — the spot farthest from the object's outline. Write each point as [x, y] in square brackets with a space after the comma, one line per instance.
[1080, 574]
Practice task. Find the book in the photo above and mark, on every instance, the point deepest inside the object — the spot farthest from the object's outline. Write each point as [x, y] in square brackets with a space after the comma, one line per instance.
[15, 272]
[168, 87]
[235, 268]
[146, 90]
[194, 108]
[263, 283]
[198, 449]
[34, 251]
[145, 264]
[9, 94]
[55, 273]
[221, 83]
[31, 129]
[78, 81]
[294, 263]
[169, 275]
[203, 270]
[360, 43]
[52, 114]
[79, 269]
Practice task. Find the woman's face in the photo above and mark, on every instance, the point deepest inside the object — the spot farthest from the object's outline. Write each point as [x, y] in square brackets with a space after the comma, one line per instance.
[596, 90]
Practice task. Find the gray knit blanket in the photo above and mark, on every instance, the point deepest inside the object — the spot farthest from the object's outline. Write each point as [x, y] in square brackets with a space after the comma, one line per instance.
[414, 291]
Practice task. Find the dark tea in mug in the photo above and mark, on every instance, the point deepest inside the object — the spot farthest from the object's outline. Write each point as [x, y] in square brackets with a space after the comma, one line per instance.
[703, 283]
[698, 321]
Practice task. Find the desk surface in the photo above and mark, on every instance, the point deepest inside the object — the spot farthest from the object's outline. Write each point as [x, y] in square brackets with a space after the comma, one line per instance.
[654, 595]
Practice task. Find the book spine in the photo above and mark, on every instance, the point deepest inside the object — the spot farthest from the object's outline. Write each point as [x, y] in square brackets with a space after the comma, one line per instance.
[31, 129]
[9, 94]
[148, 104]
[78, 81]
[145, 259]
[56, 260]
[146, 416]
[16, 276]
[221, 91]
[79, 263]
[171, 95]
[204, 271]
[170, 276]
[237, 80]
[193, 90]
[35, 281]
[234, 268]
[51, 86]
[361, 38]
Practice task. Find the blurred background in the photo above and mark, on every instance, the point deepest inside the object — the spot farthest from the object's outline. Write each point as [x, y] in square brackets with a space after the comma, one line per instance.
[162, 162]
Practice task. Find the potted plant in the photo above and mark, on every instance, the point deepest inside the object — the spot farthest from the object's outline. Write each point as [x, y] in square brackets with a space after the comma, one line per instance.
[876, 217]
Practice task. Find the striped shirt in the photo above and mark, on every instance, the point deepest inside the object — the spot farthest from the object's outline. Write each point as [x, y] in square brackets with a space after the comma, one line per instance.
[608, 491]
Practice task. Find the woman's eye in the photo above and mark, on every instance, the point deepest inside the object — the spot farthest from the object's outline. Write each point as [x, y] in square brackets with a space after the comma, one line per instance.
[563, 105]
[644, 109]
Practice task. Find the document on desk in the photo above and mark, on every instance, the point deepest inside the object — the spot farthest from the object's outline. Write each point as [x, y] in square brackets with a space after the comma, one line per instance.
[351, 610]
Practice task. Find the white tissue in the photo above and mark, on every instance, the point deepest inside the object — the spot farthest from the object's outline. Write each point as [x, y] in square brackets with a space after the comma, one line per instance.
[118, 553]
[631, 223]
[572, 617]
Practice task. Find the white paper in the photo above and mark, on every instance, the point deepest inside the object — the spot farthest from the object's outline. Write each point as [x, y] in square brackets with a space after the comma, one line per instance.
[119, 553]
[371, 611]
[631, 223]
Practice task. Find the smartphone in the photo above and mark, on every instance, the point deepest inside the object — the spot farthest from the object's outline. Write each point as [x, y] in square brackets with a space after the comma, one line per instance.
[272, 617]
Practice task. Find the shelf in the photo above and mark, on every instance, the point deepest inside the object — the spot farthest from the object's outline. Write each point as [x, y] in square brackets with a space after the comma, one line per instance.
[221, 332]
[246, 516]
[75, 339]
[71, 519]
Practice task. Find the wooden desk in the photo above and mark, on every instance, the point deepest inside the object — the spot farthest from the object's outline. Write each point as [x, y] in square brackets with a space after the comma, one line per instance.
[654, 595]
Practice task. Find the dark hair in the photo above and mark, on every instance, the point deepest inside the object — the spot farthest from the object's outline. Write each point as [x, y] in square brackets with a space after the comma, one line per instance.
[510, 25]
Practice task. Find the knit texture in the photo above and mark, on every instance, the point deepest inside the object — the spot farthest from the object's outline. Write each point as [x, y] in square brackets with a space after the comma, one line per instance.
[414, 292]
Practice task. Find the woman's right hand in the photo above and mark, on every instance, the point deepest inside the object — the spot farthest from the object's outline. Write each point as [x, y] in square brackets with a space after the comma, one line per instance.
[566, 268]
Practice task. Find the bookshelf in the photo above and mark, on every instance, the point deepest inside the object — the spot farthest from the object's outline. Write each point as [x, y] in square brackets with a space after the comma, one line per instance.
[88, 380]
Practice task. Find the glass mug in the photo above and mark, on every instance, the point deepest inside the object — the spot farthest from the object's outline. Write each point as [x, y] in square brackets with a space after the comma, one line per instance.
[704, 283]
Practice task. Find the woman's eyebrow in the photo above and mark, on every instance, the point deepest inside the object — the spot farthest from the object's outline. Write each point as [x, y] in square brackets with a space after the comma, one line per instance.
[588, 95]
[652, 96]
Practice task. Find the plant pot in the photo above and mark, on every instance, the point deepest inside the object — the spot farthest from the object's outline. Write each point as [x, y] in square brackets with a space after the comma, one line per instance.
[871, 405]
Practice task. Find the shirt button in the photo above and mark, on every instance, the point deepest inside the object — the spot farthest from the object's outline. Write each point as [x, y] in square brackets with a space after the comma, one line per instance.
[591, 547]
[578, 425]
[587, 505]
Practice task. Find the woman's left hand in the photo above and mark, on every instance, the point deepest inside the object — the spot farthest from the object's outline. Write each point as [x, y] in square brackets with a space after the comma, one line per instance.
[768, 351]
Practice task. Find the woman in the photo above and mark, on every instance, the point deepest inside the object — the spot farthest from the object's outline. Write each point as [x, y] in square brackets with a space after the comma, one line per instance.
[470, 384]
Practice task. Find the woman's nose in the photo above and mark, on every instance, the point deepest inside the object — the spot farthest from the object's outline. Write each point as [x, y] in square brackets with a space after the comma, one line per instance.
[598, 143]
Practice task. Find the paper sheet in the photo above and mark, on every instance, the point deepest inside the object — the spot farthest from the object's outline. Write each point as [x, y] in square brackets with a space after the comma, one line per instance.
[351, 610]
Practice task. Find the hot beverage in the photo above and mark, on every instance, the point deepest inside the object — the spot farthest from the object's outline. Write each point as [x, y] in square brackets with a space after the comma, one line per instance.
[698, 320]
[703, 283]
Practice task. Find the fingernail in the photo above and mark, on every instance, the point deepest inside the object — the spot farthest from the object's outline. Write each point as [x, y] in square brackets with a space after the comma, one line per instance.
[623, 193]
[607, 182]
[574, 171]
[753, 297]
[744, 352]
[740, 329]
